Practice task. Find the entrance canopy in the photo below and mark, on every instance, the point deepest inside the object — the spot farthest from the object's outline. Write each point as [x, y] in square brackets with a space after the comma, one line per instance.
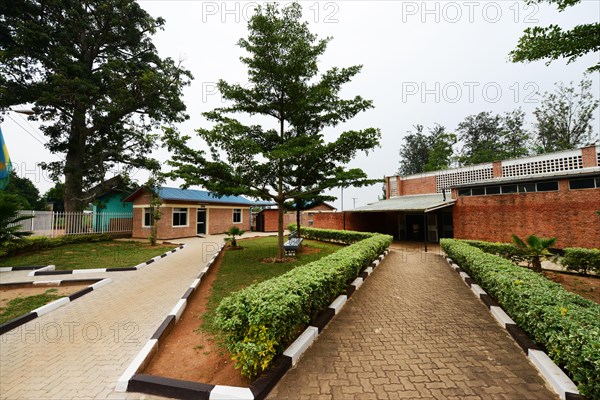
[414, 203]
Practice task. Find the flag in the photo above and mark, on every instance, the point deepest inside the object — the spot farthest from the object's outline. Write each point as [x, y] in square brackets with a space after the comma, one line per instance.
[5, 165]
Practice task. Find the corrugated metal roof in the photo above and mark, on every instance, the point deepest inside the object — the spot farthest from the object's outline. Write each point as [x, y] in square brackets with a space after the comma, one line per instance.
[419, 203]
[167, 193]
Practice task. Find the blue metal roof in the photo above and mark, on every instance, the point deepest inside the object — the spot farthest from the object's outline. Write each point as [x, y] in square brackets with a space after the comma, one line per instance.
[167, 193]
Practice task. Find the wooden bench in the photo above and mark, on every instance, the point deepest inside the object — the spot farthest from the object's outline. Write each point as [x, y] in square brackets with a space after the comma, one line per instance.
[292, 245]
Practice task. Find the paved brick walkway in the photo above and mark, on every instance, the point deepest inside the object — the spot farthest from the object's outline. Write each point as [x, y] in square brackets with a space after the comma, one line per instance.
[414, 330]
[79, 350]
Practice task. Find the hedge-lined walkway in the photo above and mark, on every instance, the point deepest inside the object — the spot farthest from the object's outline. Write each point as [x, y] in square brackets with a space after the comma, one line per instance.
[414, 330]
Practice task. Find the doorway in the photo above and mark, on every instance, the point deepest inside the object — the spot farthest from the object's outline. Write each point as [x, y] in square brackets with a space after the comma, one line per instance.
[415, 228]
[201, 222]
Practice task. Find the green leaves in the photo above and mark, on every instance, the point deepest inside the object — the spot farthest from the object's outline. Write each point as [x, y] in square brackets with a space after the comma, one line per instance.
[566, 324]
[582, 260]
[93, 75]
[552, 42]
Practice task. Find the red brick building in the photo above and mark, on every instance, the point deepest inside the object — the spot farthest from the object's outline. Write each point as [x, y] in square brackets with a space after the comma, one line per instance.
[555, 194]
[187, 213]
[266, 220]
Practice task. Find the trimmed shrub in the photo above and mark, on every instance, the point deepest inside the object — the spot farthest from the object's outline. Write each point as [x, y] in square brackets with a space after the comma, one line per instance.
[258, 322]
[332, 235]
[42, 242]
[504, 250]
[566, 324]
[582, 260]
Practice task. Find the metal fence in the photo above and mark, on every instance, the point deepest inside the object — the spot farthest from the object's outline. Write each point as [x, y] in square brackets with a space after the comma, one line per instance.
[53, 223]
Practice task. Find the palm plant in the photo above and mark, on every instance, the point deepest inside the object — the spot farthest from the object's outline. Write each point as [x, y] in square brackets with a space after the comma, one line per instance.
[9, 218]
[536, 248]
[233, 232]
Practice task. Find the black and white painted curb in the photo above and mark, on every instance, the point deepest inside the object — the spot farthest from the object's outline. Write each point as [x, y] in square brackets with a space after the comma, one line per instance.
[133, 382]
[140, 361]
[28, 268]
[45, 309]
[101, 270]
[557, 379]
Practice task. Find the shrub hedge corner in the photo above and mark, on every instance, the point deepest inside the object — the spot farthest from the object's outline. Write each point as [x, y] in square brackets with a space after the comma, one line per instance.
[566, 324]
[258, 322]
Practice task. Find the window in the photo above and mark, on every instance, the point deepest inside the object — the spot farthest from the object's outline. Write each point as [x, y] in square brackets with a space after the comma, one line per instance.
[492, 190]
[583, 183]
[479, 191]
[147, 222]
[509, 189]
[237, 215]
[547, 186]
[180, 216]
[464, 192]
[526, 187]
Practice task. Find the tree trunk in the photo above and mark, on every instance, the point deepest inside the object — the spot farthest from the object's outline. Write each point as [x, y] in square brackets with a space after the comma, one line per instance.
[73, 164]
[298, 221]
[536, 264]
[73, 172]
[280, 249]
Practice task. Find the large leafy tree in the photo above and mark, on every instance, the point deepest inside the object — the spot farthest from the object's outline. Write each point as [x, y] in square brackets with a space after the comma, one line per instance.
[552, 42]
[488, 137]
[564, 118]
[267, 161]
[426, 151]
[27, 195]
[414, 153]
[90, 70]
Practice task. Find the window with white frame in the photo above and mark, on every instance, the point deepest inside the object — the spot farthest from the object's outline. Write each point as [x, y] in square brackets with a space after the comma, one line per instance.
[147, 220]
[180, 216]
[237, 215]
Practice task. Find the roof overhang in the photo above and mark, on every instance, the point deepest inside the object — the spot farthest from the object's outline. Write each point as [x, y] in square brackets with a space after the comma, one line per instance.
[416, 203]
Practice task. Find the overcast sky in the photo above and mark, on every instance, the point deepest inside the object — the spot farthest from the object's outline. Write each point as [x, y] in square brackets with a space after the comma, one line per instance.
[424, 62]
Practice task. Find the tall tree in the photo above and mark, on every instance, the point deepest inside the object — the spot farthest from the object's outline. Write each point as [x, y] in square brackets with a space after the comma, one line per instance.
[426, 152]
[414, 153]
[92, 73]
[564, 118]
[515, 138]
[284, 86]
[552, 42]
[440, 148]
[481, 137]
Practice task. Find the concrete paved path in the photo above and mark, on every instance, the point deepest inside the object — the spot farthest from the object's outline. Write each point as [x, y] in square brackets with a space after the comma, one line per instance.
[79, 350]
[414, 330]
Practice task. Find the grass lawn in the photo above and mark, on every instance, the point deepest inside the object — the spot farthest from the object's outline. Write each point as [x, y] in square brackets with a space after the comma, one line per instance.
[241, 268]
[23, 305]
[113, 254]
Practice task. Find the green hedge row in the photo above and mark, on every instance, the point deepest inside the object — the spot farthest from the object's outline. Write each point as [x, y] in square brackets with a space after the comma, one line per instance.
[332, 235]
[258, 322]
[582, 260]
[565, 323]
[29, 244]
[505, 250]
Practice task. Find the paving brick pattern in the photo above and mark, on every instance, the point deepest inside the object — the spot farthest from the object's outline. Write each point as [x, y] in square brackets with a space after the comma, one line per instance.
[413, 331]
[79, 350]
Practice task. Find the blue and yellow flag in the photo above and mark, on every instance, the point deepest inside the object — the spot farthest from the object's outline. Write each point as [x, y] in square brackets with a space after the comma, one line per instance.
[5, 165]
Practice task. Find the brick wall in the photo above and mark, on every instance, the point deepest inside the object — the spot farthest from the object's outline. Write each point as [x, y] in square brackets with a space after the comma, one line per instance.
[221, 219]
[165, 230]
[569, 215]
[589, 157]
[421, 185]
